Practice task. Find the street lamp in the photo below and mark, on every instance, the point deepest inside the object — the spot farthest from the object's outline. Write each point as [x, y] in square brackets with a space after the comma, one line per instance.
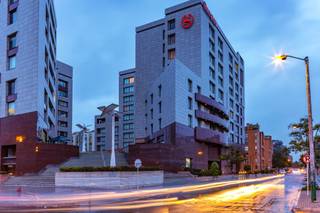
[110, 110]
[277, 60]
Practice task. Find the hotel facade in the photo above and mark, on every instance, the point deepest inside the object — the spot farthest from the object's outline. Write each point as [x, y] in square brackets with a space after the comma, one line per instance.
[30, 88]
[187, 104]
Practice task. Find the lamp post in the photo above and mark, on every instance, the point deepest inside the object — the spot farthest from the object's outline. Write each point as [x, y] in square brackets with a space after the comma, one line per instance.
[110, 110]
[310, 126]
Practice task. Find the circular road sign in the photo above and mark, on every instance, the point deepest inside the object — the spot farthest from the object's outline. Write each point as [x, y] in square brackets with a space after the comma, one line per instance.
[137, 163]
[306, 159]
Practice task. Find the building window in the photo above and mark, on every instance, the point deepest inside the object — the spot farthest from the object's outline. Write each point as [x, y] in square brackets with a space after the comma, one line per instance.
[230, 58]
[11, 108]
[189, 85]
[151, 99]
[128, 135]
[62, 84]
[220, 81]
[171, 54]
[159, 90]
[11, 62]
[171, 24]
[151, 113]
[212, 73]
[128, 117]
[63, 123]
[63, 134]
[12, 41]
[62, 114]
[63, 94]
[128, 108]
[163, 61]
[12, 16]
[212, 47]
[129, 80]
[199, 89]
[160, 107]
[151, 128]
[129, 89]
[220, 43]
[220, 69]
[171, 39]
[63, 103]
[212, 61]
[160, 123]
[189, 103]
[212, 87]
[128, 126]
[220, 55]
[211, 31]
[221, 96]
[190, 121]
[127, 99]
[11, 87]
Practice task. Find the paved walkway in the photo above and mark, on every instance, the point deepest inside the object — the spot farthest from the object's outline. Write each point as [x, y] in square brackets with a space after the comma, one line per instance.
[305, 205]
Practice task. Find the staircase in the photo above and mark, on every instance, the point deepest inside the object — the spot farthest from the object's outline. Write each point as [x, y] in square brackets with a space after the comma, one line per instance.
[96, 159]
[45, 178]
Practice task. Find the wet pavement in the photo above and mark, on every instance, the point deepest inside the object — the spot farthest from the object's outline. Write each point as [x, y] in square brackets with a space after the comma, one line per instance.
[274, 194]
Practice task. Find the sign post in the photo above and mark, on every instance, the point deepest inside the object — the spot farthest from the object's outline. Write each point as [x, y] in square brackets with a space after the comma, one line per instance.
[306, 160]
[137, 164]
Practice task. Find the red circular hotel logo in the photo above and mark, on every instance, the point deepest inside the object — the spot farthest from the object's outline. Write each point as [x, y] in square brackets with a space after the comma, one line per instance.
[187, 21]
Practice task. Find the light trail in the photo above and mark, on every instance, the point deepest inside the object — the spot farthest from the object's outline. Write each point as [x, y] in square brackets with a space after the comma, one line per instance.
[109, 198]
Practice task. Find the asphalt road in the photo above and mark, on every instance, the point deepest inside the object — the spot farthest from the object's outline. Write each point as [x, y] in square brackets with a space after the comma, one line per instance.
[271, 194]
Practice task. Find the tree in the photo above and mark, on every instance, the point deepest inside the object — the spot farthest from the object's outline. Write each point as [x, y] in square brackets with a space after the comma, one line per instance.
[234, 156]
[299, 138]
[280, 157]
[214, 169]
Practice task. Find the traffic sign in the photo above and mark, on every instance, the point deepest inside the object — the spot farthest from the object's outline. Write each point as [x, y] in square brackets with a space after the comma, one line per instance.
[137, 163]
[306, 158]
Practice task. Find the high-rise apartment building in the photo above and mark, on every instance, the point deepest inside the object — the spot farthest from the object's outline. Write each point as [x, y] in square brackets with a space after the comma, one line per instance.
[103, 132]
[85, 140]
[64, 101]
[28, 86]
[188, 95]
[126, 106]
[259, 148]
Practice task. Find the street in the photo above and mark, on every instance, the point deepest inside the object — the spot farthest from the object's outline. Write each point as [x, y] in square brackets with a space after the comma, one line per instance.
[269, 194]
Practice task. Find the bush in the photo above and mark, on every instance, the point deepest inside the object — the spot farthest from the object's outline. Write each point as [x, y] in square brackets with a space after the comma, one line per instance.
[106, 169]
[214, 169]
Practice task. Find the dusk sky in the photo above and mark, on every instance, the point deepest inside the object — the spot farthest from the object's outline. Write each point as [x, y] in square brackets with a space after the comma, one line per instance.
[97, 37]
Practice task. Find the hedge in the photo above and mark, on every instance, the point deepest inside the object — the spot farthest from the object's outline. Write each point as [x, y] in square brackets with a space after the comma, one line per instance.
[106, 169]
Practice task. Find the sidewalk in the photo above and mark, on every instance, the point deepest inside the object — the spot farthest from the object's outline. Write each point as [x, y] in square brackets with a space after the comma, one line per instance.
[305, 205]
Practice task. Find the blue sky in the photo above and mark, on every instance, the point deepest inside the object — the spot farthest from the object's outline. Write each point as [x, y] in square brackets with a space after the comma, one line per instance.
[98, 39]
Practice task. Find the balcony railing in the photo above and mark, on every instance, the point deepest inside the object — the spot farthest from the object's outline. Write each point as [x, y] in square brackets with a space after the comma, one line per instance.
[208, 136]
[211, 118]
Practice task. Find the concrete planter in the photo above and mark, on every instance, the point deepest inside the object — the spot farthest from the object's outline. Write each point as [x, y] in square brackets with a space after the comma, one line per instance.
[109, 180]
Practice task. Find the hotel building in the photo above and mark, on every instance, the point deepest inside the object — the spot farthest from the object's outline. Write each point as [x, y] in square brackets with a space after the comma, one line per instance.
[28, 87]
[187, 103]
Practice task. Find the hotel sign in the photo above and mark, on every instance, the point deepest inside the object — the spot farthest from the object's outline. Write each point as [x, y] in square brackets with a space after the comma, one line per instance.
[206, 9]
[187, 21]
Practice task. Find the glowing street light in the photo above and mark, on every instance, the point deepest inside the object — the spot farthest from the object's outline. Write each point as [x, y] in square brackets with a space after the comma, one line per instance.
[277, 60]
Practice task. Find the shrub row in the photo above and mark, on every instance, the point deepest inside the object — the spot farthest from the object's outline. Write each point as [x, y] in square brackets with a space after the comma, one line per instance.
[106, 169]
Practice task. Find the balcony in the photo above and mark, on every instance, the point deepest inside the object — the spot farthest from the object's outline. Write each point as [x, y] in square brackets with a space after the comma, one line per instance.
[211, 118]
[208, 136]
[211, 103]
